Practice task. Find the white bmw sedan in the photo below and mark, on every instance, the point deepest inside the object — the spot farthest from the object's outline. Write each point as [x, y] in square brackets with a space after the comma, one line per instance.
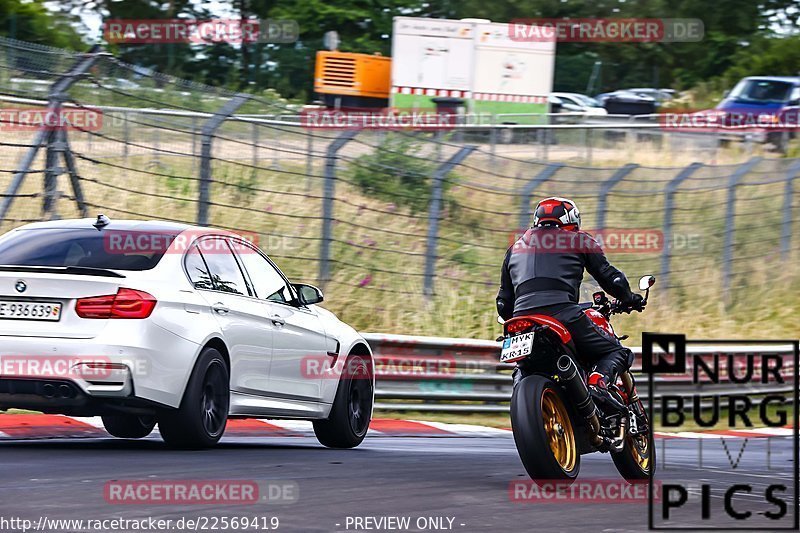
[183, 326]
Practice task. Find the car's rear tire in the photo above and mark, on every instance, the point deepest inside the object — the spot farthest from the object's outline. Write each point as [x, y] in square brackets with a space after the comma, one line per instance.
[129, 426]
[200, 420]
[351, 412]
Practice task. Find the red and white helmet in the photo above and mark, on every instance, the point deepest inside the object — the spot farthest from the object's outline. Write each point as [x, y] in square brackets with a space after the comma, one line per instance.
[557, 211]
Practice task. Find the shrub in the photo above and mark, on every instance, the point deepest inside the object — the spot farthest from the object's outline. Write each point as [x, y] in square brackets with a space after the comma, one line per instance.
[398, 172]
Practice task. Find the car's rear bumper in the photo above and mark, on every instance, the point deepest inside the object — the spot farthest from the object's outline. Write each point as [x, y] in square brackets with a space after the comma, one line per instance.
[155, 370]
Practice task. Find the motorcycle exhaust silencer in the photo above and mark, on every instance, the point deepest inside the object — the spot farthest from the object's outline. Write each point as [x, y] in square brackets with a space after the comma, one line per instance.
[577, 391]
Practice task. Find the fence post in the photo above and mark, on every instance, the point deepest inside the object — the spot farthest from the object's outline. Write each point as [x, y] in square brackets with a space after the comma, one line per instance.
[606, 187]
[669, 201]
[207, 136]
[525, 208]
[730, 221]
[786, 225]
[493, 138]
[194, 143]
[126, 140]
[56, 96]
[276, 140]
[309, 159]
[157, 143]
[72, 170]
[328, 191]
[254, 139]
[434, 211]
[589, 139]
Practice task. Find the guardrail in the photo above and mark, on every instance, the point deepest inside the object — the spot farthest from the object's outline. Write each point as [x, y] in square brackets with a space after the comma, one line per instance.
[417, 373]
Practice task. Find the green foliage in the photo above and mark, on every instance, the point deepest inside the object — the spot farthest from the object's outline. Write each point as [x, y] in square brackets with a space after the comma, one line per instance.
[397, 172]
[33, 22]
[741, 38]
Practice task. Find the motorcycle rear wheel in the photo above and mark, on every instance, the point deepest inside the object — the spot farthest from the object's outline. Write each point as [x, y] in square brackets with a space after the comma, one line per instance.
[543, 431]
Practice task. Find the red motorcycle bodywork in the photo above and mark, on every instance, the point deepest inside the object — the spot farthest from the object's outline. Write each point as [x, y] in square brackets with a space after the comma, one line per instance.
[600, 320]
[542, 320]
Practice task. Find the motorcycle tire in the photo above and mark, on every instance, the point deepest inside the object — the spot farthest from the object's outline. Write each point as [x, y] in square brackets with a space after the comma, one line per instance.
[543, 431]
[637, 457]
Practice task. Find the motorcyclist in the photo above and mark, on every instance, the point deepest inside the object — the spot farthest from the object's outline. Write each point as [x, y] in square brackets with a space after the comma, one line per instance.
[542, 273]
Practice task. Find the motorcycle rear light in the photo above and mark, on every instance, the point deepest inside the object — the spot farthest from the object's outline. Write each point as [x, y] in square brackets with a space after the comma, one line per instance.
[127, 303]
[518, 326]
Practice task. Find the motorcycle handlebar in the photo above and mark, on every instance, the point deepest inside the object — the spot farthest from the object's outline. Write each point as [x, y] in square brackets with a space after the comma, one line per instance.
[618, 307]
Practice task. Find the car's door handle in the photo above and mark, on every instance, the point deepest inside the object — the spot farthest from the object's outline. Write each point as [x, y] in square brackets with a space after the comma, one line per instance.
[220, 308]
[277, 320]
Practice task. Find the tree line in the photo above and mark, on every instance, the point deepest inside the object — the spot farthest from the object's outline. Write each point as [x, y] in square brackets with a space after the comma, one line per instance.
[742, 37]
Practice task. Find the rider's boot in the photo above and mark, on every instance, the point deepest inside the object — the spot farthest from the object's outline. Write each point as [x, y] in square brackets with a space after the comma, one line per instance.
[602, 397]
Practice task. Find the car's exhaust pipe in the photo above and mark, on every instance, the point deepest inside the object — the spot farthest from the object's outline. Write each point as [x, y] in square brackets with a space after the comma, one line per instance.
[49, 391]
[65, 391]
[579, 394]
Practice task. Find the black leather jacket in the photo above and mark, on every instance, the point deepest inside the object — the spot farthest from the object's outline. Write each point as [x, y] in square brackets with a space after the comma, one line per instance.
[545, 267]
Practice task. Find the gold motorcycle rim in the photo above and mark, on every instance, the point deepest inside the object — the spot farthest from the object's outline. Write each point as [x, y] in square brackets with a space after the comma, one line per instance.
[558, 429]
[640, 450]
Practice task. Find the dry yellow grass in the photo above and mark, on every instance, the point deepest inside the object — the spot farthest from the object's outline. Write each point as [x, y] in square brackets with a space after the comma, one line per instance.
[379, 246]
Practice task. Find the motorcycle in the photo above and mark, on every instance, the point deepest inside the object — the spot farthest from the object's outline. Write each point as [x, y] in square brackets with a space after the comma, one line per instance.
[553, 416]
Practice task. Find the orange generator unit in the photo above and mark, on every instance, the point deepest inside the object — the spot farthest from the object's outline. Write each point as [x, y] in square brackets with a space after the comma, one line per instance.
[345, 79]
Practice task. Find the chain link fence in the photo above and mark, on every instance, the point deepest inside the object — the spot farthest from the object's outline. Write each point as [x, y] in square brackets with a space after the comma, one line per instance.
[405, 230]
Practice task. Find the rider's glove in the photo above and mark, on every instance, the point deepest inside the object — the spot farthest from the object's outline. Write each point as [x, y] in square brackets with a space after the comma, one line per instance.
[636, 303]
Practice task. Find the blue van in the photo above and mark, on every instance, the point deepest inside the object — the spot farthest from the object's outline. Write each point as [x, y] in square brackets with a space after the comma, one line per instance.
[764, 95]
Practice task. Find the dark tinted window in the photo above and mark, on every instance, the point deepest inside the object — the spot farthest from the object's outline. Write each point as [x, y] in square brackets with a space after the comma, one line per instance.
[225, 272]
[85, 247]
[267, 282]
[197, 270]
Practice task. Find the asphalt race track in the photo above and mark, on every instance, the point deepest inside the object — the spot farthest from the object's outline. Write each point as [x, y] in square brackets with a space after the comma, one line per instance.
[465, 479]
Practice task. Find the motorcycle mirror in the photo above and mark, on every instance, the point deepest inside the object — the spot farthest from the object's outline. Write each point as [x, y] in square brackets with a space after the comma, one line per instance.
[645, 282]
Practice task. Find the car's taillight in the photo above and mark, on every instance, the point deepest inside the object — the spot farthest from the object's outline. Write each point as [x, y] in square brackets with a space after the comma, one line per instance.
[127, 303]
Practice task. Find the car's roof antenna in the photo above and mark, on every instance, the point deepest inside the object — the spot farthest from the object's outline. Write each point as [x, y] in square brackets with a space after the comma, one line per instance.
[101, 222]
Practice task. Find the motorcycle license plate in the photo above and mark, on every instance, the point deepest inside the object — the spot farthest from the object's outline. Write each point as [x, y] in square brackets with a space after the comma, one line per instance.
[516, 348]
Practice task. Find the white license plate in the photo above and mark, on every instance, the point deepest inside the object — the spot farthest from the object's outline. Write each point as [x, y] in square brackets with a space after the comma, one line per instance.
[516, 348]
[47, 311]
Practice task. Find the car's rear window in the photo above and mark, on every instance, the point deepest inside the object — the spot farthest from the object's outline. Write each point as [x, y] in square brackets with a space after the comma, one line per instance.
[85, 247]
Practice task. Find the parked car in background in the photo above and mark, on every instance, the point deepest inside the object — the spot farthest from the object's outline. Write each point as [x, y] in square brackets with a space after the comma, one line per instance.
[576, 103]
[623, 102]
[660, 95]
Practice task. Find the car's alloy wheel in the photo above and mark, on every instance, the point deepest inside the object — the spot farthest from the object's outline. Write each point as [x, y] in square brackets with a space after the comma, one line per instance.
[348, 422]
[200, 420]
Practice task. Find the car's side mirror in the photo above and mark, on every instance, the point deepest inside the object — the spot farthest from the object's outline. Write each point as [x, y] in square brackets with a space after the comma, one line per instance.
[308, 294]
[726, 94]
